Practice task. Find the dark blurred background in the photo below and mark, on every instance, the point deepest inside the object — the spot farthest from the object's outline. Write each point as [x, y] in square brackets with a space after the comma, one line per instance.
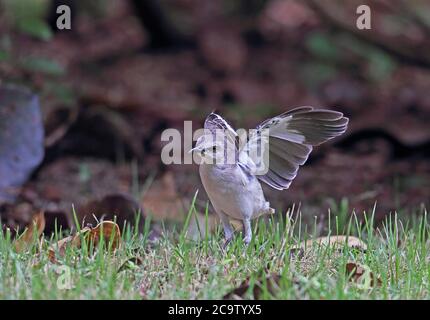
[127, 70]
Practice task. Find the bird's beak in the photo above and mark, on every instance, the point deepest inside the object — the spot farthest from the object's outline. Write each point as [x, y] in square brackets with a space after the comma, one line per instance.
[192, 150]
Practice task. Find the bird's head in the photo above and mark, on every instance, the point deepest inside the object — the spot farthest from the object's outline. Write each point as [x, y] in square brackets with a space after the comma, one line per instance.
[211, 151]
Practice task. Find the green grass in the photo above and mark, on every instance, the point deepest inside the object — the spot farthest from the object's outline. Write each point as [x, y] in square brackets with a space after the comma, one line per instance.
[176, 267]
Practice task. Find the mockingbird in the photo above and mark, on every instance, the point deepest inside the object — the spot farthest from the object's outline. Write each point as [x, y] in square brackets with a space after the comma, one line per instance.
[233, 186]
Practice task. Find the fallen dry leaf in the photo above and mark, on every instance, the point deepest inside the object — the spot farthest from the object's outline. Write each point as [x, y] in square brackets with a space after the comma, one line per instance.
[335, 241]
[239, 292]
[111, 232]
[119, 207]
[264, 283]
[33, 231]
[109, 229]
[362, 275]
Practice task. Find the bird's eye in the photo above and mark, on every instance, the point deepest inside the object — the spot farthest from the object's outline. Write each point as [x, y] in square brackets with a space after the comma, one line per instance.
[203, 151]
[213, 148]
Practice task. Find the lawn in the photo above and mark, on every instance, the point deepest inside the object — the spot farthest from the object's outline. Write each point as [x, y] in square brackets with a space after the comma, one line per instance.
[394, 265]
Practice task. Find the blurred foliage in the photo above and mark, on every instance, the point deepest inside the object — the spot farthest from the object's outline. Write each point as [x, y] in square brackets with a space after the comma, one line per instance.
[42, 65]
[320, 45]
[422, 12]
[28, 16]
[4, 56]
[337, 49]
[37, 28]
[244, 7]
[5, 45]
[179, 16]
[380, 65]
[234, 111]
[287, 53]
[61, 92]
[94, 8]
[314, 73]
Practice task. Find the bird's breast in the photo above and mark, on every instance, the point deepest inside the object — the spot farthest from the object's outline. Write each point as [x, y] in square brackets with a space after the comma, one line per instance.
[231, 191]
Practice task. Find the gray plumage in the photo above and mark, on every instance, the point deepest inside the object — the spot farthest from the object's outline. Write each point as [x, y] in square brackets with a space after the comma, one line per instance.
[234, 188]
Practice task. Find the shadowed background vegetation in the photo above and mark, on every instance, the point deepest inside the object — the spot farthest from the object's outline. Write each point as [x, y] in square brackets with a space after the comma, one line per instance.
[130, 69]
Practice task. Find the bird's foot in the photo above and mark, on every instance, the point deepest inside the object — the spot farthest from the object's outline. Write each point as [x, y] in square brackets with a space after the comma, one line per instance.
[227, 242]
[247, 241]
[270, 211]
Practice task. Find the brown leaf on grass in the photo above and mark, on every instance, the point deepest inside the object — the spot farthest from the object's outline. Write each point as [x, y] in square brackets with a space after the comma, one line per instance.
[60, 246]
[336, 241]
[108, 229]
[118, 206]
[33, 231]
[264, 283]
[362, 275]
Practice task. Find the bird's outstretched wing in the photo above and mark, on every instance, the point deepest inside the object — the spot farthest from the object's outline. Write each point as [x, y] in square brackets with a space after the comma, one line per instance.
[291, 137]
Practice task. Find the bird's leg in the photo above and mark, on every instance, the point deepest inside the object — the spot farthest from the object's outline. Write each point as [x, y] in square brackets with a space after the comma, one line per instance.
[248, 230]
[228, 230]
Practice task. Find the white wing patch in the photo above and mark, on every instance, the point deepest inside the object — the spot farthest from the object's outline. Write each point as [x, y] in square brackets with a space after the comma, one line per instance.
[216, 122]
